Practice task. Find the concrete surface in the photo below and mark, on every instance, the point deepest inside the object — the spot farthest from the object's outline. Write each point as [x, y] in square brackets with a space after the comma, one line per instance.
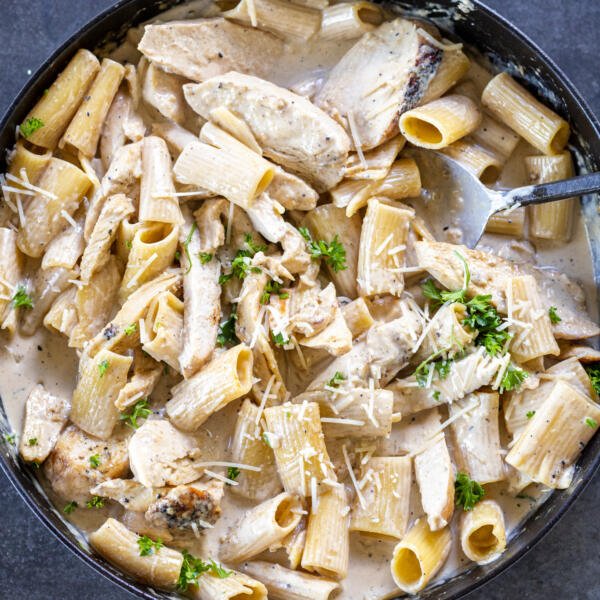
[34, 566]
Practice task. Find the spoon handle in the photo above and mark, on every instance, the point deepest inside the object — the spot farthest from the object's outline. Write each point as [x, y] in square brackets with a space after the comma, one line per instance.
[556, 190]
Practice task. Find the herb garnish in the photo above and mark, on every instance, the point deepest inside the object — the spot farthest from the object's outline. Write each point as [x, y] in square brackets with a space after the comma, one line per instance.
[192, 568]
[95, 502]
[232, 473]
[70, 507]
[591, 422]
[22, 299]
[32, 441]
[530, 414]
[593, 372]
[103, 367]
[186, 246]
[140, 410]
[468, 492]
[512, 379]
[554, 318]
[242, 262]
[205, 257]
[30, 126]
[227, 330]
[279, 339]
[148, 546]
[95, 461]
[272, 287]
[130, 329]
[333, 252]
[336, 379]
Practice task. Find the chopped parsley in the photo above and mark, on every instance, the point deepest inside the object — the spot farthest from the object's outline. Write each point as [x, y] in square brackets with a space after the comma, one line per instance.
[9, 438]
[468, 492]
[226, 333]
[266, 440]
[103, 367]
[530, 414]
[186, 246]
[192, 568]
[95, 461]
[30, 126]
[279, 339]
[512, 379]
[148, 546]
[22, 299]
[233, 473]
[441, 367]
[336, 379]
[593, 372]
[436, 395]
[272, 287]
[32, 441]
[205, 257]
[591, 422]
[438, 297]
[242, 262]
[130, 329]
[70, 507]
[484, 318]
[554, 318]
[333, 252]
[129, 244]
[95, 502]
[140, 410]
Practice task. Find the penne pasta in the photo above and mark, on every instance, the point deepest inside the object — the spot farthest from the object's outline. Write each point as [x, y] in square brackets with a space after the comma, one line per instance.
[349, 20]
[513, 105]
[485, 165]
[454, 65]
[25, 158]
[236, 586]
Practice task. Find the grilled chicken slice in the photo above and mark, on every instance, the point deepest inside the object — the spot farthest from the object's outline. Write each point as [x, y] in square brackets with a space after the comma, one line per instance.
[204, 48]
[382, 76]
[129, 493]
[292, 192]
[69, 469]
[162, 455]
[45, 416]
[291, 130]
[162, 91]
[184, 506]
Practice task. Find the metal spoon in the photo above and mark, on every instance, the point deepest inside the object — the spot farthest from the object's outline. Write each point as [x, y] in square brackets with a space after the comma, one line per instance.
[454, 197]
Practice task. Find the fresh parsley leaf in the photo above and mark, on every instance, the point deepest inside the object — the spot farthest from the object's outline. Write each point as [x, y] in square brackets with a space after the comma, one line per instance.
[32, 441]
[205, 257]
[140, 410]
[467, 491]
[70, 507]
[333, 252]
[22, 299]
[436, 395]
[593, 372]
[336, 379]
[227, 331]
[241, 265]
[103, 367]
[554, 318]
[512, 379]
[148, 546]
[129, 244]
[441, 367]
[30, 126]
[438, 297]
[591, 422]
[530, 414]
[232, 473]
[95, 461]
[192, 568]
[272, 287]
[186, 246]
[9, 438]
[130, 329]
[484, 318]
[279, 339]
[95, 502]
[266, 440]
[177, 256]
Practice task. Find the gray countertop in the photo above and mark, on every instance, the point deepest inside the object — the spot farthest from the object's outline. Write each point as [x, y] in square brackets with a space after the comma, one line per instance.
[34, 566]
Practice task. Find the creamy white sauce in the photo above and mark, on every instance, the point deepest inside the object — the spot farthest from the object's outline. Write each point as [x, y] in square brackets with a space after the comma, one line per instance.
[45, 358]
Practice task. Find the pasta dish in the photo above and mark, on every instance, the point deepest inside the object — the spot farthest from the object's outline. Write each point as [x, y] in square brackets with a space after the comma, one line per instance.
[241, 361]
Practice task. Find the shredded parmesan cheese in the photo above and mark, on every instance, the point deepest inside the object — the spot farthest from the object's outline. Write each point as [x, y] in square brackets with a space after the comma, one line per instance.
[359, 495]
[141, 270]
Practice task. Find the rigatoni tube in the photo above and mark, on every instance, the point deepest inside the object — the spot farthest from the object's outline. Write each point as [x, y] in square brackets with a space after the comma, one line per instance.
[349, 20]
[512, 104]
[120, 546]
[100, 379]
[419, 556]
[262, 527]
[236, 586]
[327, 546]
[483, 533]
[56, 108]
[386, 498]
[225, 378]
[441, 122]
